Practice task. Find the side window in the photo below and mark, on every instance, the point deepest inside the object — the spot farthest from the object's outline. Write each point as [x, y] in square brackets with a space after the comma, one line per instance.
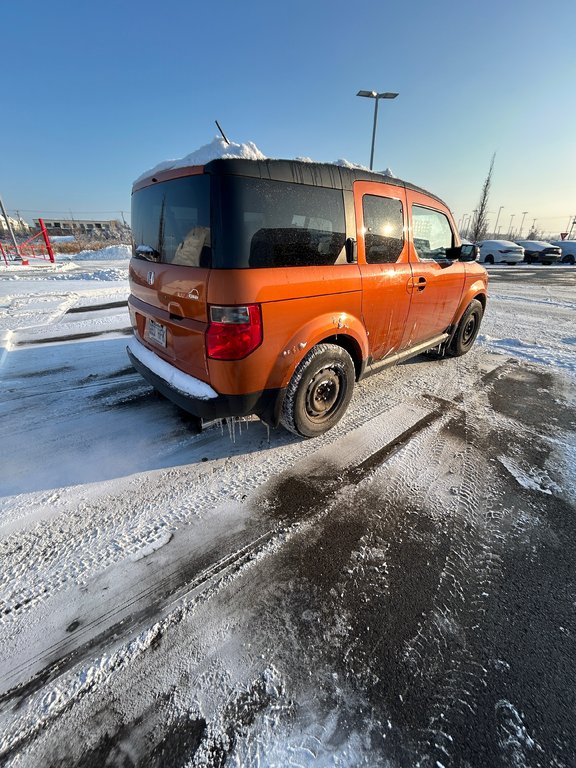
[383, 229]
[270, 223]
[431, 233]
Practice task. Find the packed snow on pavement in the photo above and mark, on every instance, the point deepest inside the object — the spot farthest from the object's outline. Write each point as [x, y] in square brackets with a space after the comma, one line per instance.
[399, 591]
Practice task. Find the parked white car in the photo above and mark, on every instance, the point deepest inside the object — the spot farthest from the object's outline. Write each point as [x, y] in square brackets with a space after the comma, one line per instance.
[500, 252]
[568, 250]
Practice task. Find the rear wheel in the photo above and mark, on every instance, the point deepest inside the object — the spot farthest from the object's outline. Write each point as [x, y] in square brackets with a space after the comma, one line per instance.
[568, 260]
[319, 391]
[467, 330]
[489, 259]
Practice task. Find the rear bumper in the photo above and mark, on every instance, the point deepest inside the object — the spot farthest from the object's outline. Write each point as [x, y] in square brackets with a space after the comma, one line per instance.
[197, 397]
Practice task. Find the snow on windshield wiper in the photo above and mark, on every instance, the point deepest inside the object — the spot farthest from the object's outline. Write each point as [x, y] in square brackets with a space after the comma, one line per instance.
[147, 252]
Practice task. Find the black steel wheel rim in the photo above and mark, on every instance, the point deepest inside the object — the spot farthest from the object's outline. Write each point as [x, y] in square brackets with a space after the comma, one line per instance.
[469, 330]
[323, 394]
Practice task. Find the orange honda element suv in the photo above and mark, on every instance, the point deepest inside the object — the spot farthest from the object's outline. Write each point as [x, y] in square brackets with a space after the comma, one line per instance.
[269, 287]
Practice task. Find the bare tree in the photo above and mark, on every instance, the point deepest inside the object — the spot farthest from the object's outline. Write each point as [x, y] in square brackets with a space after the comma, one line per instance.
[480, 221]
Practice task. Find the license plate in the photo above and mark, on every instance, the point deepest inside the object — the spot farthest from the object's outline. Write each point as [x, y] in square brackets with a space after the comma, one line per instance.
[156, 332]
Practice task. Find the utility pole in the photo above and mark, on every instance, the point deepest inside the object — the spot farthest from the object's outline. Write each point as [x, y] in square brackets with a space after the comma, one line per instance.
[9, 228]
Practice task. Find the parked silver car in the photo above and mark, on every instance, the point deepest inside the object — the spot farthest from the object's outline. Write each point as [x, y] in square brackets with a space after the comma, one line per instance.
[500, 252]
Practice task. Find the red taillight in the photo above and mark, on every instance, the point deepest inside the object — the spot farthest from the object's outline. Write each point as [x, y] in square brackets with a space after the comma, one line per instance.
[233, 332]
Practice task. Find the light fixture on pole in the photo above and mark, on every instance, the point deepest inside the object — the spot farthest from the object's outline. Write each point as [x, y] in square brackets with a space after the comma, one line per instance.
[376, 96]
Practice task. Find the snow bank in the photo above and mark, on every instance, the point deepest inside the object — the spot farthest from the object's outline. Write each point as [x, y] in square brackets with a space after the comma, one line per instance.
[218, 149]
[110, 253]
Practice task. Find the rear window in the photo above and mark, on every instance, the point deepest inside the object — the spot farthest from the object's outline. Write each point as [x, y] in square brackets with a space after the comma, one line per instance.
[171, 222]
[279, 224]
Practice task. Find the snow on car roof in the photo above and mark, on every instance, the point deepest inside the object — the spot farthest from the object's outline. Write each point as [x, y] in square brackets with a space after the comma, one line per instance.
[533, 242]
[219, 149]
[499, 242]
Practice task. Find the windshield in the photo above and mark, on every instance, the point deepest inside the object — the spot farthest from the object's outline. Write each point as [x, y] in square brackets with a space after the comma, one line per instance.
[171, 222]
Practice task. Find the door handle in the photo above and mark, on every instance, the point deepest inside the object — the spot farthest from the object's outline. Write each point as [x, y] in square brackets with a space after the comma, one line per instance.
[418, 283]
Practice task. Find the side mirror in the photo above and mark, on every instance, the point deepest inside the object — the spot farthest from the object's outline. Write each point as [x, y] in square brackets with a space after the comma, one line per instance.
[351, 251]
[469, 252]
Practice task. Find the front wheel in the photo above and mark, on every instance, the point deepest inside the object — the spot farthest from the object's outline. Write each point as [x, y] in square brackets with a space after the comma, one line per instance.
[489, 259]
[467, 330]
[319, 391]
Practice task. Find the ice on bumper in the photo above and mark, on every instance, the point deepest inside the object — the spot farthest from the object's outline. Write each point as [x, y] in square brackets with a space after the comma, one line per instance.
[184, 383]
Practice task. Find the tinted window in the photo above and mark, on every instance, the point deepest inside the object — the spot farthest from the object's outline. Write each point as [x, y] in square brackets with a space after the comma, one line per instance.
[171, 222]
[384, 229]
[431, 232]
[276, 224]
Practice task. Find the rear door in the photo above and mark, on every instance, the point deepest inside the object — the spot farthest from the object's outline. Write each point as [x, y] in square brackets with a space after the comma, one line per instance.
[436, 283]
[383, 260]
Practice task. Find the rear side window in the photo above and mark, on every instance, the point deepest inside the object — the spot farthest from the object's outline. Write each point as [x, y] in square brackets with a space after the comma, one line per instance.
[171, 222]
[431, 232]
[384, 229]
[279, 224]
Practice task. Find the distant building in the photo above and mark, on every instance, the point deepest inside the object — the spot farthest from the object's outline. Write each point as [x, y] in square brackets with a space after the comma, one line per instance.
[82, 227]
[19, 226]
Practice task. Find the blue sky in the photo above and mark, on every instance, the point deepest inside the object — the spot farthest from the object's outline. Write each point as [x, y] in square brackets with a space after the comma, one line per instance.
[95, 93]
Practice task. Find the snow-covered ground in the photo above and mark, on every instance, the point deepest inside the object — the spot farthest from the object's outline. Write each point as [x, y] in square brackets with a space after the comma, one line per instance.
[396, 592]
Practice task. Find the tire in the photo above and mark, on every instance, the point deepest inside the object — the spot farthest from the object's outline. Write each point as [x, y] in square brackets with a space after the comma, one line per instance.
[319, 391]
[568, 260]
[467, 330]
[489, 259]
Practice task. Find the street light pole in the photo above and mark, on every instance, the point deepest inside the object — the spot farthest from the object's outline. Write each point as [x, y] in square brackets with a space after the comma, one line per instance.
[497, 217]
[511, 220]
[522, 224]
[376, 96]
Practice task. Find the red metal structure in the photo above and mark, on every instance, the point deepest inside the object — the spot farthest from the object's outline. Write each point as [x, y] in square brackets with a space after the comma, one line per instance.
[30, 249]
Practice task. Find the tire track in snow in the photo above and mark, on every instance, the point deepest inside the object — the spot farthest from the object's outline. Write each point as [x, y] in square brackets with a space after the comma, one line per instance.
[473, 565]
[46, 557]
[180, 578]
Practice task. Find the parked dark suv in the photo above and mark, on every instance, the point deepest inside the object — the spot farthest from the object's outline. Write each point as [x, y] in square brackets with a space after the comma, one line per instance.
[540, 251]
